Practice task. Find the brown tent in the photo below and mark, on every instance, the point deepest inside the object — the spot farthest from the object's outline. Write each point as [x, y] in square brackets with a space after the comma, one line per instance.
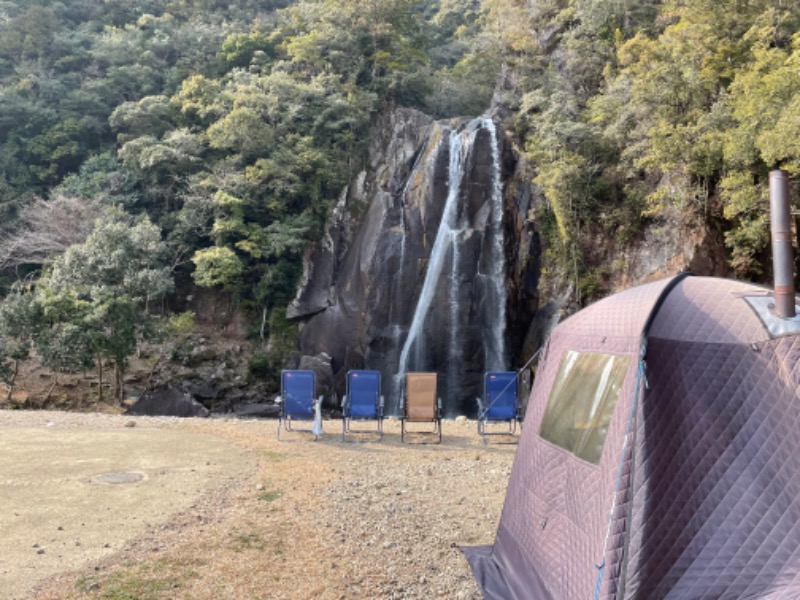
[660, 455]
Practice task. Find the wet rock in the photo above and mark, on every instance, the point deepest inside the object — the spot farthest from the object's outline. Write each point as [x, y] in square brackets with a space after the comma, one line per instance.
[319, 264]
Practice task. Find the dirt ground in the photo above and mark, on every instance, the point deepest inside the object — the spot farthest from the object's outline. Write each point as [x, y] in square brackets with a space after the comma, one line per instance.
[108, 506]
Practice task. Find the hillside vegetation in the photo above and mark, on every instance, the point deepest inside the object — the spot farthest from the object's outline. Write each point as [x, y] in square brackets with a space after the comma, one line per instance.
[213, 137]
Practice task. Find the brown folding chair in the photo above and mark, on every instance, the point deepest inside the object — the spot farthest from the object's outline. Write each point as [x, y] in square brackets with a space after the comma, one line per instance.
[421, 404]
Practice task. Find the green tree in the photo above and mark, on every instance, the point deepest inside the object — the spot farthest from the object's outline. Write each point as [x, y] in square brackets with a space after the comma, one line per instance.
[152, 115]
[97, 294]
[17, 324]
[216, 266]
[701, 110]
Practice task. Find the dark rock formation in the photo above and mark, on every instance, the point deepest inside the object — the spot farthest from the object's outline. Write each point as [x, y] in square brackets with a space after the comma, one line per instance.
[167, 401]
[201, 389]
[367, 299]
[323, 374]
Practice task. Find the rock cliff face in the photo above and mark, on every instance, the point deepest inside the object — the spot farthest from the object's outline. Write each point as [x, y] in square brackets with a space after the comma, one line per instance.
[425, 263]
[430, 262]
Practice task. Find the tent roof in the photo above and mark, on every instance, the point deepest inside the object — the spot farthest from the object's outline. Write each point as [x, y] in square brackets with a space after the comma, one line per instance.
[691, 309]
[622, 315]
[710, 310]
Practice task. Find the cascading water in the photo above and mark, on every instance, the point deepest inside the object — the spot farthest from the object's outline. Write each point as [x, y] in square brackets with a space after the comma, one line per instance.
[438, 255]
[413, 274]
[397, 330]
[448, 267]
[496, 359]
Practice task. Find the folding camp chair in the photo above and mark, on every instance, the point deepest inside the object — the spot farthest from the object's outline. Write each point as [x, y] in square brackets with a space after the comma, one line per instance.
[297, 402]
[421, 404]
[362, 402]
[500, 403]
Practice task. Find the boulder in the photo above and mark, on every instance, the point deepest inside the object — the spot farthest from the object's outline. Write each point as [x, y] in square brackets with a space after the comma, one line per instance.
[167, 401]
[201, 389]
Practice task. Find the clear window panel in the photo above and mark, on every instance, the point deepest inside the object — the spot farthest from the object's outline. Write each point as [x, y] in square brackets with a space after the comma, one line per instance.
[582, 402]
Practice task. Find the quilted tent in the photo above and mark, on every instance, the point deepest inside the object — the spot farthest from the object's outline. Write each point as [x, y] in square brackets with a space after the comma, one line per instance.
[660, 454]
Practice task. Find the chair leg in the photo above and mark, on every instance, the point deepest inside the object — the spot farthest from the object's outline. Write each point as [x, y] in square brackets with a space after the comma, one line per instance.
[436, 431]
[512, 425]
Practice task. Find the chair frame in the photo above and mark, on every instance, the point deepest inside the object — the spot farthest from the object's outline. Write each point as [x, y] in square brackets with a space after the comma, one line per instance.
[286, 419]
[483, 413]
[348, 418]
[436, 420]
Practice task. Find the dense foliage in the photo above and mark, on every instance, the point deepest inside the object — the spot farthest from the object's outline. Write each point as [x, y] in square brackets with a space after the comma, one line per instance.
[648, 109]
[91, 306]
[235, 125]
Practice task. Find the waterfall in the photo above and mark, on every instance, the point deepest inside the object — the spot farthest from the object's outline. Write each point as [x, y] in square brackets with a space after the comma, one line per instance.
[496, 359]
[443, 279]
[441, 246]
[455, 309]
[413, 273]
[398, 331]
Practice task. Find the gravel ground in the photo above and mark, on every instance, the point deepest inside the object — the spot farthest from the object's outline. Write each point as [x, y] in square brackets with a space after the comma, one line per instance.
[294, 520]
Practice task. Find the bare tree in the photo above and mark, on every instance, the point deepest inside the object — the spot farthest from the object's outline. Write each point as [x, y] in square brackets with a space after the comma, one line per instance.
[47, 228]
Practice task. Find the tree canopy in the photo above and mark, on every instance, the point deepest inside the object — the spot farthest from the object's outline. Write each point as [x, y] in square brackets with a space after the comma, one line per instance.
[230, 128]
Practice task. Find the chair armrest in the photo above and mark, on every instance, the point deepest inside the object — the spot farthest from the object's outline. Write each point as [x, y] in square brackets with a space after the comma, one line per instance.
[344, 401]
[319, 400]
[439, 406]
[480, 405]
[279, 400]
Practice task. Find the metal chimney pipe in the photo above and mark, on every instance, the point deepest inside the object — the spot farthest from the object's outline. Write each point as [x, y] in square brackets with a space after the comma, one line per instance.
[782, 251]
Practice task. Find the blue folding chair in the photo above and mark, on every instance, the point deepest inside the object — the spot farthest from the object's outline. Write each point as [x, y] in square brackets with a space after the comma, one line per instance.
[297, 401]
[362, 402]
[500, 403]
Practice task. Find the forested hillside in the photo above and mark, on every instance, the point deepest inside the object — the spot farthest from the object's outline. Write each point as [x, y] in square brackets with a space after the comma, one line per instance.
[203, 141]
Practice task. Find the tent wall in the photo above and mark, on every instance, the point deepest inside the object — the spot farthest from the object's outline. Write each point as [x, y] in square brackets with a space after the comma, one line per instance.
[709, 493]
[556, 512]
[716, 510]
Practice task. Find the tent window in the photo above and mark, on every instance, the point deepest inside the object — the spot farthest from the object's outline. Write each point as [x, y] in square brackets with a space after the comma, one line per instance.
[582, 402]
